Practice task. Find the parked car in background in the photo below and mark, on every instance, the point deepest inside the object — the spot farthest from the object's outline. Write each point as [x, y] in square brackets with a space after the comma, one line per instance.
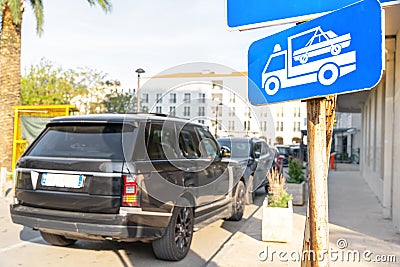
[255, 156]
[126, 178]
[295, 151]
[285, 152]
[277, 163]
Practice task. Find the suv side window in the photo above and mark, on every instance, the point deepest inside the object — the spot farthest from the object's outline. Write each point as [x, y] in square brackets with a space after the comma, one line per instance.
[264, 149]
[188, 143]
[208, 146]
[162, 142]
[257, 148]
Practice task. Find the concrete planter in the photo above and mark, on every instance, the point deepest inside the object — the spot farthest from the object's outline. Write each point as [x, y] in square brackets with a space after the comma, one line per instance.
[298, 191]
[277, 223]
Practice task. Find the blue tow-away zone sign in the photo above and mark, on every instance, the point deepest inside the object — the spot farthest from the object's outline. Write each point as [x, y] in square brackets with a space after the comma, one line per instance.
[247, 14]
[333, 54]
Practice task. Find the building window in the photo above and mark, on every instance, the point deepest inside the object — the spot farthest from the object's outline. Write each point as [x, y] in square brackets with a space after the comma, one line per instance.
[172, 111]
[202, 98]
[159, 110]
[145, 98]
[186, 98]
[159, 98]
[296, 126]
[172, 98]
[201, 111]
[232, 98]
[232, 112]
[247, 114]
[186, 111]
[219, 108]
[296, 113]
[201, 121]
[246, 126]
[279, 126]
[264, 126]
[279, 113]
[231, 125]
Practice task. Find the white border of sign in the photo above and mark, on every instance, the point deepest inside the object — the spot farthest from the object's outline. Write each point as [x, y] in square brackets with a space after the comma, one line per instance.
[285, 21]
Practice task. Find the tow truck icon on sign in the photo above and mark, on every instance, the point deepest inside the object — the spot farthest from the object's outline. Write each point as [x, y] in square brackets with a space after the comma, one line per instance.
[322, 59]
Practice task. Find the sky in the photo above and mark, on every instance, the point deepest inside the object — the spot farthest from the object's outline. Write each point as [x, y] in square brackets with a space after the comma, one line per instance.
[153, 34]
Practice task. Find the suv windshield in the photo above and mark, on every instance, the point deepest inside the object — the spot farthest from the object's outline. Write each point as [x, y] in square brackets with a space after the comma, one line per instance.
[83, 141]
[283, 150]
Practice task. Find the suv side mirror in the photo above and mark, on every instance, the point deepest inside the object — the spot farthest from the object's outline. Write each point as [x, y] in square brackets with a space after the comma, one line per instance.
[225, 151]
[257, 155]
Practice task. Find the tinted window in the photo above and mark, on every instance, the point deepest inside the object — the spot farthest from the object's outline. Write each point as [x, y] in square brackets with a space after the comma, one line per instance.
[188, 143]
[257, 148]
[239, 149]
[83, 141]
[208, 147]
[162, 143]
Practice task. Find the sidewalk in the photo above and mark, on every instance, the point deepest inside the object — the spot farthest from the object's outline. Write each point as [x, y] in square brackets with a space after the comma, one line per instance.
[355, 216]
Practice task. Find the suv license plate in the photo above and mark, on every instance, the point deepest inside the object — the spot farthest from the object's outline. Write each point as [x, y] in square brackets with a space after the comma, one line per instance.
[63, 180]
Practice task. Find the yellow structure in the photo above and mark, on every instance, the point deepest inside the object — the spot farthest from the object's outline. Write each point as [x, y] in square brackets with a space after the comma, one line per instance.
[51, 111]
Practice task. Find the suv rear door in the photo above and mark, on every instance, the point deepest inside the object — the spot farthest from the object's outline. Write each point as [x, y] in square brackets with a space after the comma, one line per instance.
[75, 166]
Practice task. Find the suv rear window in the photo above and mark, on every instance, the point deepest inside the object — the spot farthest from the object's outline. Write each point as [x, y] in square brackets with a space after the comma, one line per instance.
[83, 141]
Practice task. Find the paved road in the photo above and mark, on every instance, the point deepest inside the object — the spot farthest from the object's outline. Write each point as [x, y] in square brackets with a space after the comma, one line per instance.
[20, 246]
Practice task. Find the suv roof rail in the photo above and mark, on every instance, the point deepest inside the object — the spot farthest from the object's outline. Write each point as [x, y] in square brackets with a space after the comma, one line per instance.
[155, 114]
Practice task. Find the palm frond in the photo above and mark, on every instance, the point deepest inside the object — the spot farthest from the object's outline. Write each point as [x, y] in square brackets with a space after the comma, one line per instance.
[37, 6]
[104, 4]
[15, 7]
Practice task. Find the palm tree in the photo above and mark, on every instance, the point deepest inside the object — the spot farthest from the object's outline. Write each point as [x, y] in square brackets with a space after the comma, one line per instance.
[10, 64]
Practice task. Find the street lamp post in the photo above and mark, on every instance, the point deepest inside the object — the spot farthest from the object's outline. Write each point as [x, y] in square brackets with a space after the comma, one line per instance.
[216, 119]
[138, 71]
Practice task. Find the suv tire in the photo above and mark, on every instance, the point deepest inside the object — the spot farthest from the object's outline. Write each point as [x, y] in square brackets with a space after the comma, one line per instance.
[238, 202]
[57, 240]
[174, 245]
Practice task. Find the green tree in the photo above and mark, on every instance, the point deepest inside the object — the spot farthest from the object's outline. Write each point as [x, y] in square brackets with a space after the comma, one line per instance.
[119, 102]
[10, 62]
[296, 175]
[46, 84]
[95, 87]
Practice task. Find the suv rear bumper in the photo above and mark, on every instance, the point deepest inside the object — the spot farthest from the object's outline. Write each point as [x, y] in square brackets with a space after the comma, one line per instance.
[131, 224]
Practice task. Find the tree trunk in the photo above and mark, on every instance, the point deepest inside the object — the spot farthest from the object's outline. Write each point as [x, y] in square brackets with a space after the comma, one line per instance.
[10, 82]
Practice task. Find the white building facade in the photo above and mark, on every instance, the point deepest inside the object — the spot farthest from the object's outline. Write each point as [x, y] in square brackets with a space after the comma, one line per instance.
[207, 97]
[380, 123]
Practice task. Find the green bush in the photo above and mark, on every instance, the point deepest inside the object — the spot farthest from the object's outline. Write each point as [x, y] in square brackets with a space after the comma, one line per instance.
[296, 175]
[282, 202]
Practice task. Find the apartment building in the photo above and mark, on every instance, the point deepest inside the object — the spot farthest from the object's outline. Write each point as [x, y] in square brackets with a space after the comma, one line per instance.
[219, 101]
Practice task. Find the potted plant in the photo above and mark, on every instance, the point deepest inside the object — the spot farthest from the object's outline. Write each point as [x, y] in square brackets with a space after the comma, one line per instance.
[295, 182]
[277, 222]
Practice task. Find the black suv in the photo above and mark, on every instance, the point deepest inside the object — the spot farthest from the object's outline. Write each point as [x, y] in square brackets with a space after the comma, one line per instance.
[256, 158]
[126, 178]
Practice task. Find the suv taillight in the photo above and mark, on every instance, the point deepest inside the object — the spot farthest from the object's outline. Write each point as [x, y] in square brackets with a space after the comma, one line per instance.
[130, 194]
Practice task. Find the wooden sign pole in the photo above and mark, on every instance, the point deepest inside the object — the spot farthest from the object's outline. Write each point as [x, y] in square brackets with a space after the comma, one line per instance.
[320, 117]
